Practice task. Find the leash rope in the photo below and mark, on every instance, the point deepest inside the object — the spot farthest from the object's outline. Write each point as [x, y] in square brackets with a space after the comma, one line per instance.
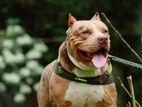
[126, 62]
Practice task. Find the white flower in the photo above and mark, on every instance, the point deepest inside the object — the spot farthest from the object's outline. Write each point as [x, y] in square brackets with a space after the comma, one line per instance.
[32, 64]
[8, 56]
[36, 86]
[35, 67]
[2, 64]
[24, 40]
[7, 43]
[11, 78]
[29, 81]
[11, 58]
[34, 54]
[19, 57]
[40, 47]
[2, 87]
[37, 70]
[14, 30]
[19, 98]
[25, 72]
[25, 89]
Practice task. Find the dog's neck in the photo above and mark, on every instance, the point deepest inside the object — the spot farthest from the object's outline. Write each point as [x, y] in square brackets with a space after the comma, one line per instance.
[75, 67]
[78, 64]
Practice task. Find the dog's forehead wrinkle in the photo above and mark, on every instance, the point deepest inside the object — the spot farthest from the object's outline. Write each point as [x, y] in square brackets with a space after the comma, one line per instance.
[100, 24]
[81, 27]
[82, 24]
[88, 28]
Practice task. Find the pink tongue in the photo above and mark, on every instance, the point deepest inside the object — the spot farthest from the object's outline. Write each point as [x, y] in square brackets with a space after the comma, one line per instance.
[99, 60]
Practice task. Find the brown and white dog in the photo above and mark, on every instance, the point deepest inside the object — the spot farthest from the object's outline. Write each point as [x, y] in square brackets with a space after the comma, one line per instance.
[84, 53]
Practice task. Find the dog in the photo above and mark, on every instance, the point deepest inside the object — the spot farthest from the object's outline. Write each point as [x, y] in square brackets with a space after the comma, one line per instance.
[81, 76]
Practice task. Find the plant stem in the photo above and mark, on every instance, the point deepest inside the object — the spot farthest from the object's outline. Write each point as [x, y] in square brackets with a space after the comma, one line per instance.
[128, 104]
[129, 47]
[130, 83]
[122, 85]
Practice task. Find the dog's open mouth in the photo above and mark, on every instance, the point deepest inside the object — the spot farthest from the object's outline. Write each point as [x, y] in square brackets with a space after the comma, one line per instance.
[98, 58]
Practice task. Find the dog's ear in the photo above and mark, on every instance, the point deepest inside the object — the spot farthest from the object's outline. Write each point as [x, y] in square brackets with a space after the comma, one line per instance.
[96, 16]
[71, 20]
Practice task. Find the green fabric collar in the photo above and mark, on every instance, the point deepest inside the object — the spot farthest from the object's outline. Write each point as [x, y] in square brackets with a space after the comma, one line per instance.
[109, 68]
[105, 78]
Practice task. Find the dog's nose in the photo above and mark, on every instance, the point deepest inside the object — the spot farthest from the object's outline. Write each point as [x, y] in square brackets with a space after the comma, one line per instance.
[102, 40]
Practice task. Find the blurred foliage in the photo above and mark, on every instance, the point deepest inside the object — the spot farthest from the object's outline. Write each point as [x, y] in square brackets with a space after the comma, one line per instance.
[46, 20]
[20, 65]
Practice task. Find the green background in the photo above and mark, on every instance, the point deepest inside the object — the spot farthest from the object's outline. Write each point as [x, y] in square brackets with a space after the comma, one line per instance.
[44, 23]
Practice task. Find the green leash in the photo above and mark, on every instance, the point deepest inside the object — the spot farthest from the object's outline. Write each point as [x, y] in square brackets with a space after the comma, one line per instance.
[126, 62]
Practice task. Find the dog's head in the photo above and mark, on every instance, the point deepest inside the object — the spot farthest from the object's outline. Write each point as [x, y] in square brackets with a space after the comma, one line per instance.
[88, 41]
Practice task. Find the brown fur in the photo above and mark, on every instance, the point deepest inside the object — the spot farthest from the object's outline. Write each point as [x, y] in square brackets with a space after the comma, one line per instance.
[53, 88]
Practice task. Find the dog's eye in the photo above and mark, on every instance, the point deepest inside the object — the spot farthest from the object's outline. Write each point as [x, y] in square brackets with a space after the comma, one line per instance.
[87, 32]
[105, 31]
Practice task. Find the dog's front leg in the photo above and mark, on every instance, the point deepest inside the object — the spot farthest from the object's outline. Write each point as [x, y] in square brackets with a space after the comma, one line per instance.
[43, 97]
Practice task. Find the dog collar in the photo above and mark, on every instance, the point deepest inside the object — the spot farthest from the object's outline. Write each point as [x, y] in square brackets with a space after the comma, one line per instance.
[77, 64]
[105, 78]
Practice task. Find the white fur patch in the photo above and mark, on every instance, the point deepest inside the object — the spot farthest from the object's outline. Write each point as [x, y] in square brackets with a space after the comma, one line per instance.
[78, 64]
[83, 94]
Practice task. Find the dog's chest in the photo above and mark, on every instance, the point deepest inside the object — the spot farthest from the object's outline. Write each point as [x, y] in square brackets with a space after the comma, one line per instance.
[82, 95]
